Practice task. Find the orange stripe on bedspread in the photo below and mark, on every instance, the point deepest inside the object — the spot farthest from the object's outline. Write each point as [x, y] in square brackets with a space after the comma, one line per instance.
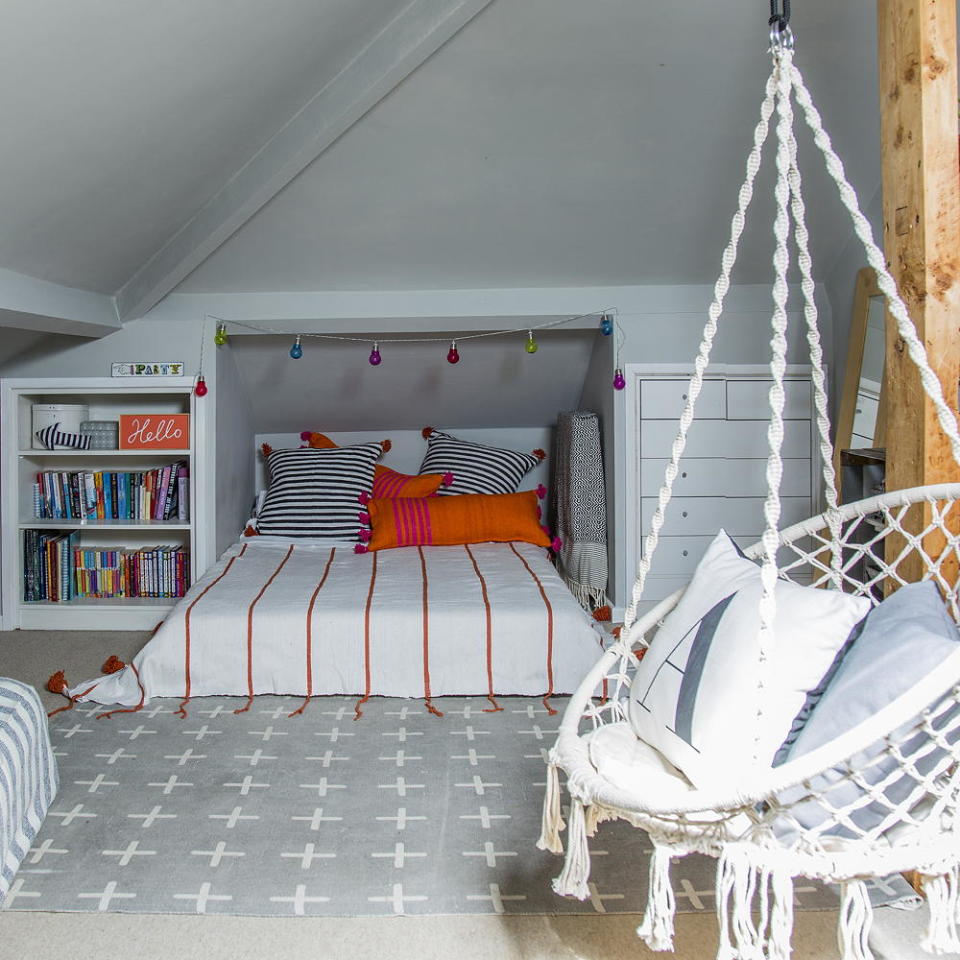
[313, 601]
[181, 710]
[358, 713]
[426, 636]
[546, 603]
[486, 604]
[253, 603]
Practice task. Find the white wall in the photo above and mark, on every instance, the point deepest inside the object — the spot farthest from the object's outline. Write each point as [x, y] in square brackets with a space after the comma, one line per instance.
[234, 428]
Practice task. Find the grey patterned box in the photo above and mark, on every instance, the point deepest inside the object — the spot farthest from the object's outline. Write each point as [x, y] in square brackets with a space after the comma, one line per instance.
[103, 434]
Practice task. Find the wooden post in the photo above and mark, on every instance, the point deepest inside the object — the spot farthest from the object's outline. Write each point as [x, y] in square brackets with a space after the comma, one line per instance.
[921, 228]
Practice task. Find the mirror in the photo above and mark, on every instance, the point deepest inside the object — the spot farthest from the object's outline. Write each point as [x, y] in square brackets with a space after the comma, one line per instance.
[860, 423]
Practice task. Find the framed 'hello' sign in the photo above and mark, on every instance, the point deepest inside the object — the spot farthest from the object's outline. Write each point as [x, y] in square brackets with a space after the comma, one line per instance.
[154, 431]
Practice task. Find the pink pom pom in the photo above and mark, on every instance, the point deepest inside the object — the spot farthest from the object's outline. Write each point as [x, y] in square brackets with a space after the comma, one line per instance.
[365, 535]
[364, 517]
[364, 498]
[556, 545]
[539, 513]
[545, 529]
[447, 479]
[541, 491]
[360, 548]
[305, 435]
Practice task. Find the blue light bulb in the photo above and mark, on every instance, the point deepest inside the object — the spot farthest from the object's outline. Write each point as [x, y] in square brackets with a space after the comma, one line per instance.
[606, 325]
[296, 351]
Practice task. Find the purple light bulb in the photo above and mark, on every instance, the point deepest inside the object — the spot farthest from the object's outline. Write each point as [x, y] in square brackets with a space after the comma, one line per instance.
[619, 382]
[375, 357]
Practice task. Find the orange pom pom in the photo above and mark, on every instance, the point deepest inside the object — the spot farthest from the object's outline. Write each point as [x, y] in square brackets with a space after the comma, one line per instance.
[266, 449]
[540, 454]
[387, 445]
[57, 683]
[602, 614]
[427, 432]
[250, 532]
[112, 664]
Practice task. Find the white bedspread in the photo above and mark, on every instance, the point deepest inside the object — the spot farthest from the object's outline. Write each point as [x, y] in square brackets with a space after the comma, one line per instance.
[294, 617]
[28, 774]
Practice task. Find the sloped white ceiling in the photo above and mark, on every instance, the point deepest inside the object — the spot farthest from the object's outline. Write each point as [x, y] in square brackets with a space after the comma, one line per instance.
[333, 387]
[557, 142]
[120, 118]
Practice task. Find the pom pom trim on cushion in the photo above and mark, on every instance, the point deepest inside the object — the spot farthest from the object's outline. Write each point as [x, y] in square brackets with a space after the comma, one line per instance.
[541, 491]
[427, 432]
[539, 454]
[447, 479]
[113, 664]
[360, 548]
[365, 535]
[364, 497]
[364, 517]
[266, 449]
[387, 445]
[57, 683]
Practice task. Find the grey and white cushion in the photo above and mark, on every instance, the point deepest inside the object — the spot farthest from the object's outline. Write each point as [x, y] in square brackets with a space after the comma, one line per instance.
[697, 692]
[317, 493]
[476, 467]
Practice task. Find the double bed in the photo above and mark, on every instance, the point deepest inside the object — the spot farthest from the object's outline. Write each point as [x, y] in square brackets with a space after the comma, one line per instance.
[294, 616]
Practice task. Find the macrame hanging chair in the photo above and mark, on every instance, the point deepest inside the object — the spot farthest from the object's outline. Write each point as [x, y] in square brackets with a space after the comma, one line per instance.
[750, 825]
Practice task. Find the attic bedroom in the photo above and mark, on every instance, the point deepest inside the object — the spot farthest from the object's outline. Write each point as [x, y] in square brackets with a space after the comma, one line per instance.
[479, 476]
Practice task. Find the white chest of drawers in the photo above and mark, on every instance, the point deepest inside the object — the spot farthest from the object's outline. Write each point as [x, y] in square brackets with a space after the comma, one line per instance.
[722, 479]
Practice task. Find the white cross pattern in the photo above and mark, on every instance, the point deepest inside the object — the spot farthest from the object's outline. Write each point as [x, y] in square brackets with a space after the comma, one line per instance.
[217, 711]
[70, 815]
[204, 731]
[397, 899]
[129, 853]
[154, 711]
[307, 856]
[597, 898]
[489, 853]
[401, 819]
[233, 818]
[687, 892]
[478, 785]
[496, 897]
[104, 896]
[254, 757]
[473, 757]
[400, 758]
[469, 710]
[16, 890]
[316, 818]
[96, 783]
[76, 728]
[267, 734]
[401, 786]
[327, 758]
[336, 714]
[798, 890]
[182, 758]
[203, 897]
[399, 854]
[300, 899]
[276, 713]
[138, 731]
[538, 732]
[172, 781]
[246, 784]
[217, 853]
[322, 787]
[335, 734]
[149, 819]
[38, 853]
[401, 733]
[118, 754]
[403, 713]
[485, 817]
[530, 711]
[470, 733]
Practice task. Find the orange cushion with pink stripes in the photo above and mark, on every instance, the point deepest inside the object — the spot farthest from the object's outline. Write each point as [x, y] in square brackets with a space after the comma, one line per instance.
[446, 521]
[387, 482]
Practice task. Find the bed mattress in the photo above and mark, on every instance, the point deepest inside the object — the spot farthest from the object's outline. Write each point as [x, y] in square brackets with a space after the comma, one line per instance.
[294, 617]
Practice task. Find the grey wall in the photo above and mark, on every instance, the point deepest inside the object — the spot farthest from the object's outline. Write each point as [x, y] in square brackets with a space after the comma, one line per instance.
[234, 442]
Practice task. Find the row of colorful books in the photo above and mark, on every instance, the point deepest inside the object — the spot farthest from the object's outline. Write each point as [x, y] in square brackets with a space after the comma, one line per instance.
[56, 568]
[160, 494]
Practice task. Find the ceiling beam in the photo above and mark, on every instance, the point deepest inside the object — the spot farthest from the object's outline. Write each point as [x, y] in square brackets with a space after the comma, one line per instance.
[403, 45]
[27, 303]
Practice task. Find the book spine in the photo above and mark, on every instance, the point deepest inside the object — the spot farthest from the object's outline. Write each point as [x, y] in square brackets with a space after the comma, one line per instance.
[183, 493]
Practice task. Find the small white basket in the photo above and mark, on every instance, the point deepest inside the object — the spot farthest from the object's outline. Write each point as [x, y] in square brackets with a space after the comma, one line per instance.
[68, 415]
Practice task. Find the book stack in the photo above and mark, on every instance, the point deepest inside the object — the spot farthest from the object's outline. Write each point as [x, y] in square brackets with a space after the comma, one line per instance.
[160, 494]
[48, 565]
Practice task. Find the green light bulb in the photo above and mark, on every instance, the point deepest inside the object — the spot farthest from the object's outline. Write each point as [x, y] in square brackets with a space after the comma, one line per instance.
[220, 337]
[531, 343]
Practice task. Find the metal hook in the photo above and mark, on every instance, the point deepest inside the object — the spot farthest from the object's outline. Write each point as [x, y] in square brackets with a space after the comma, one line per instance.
[781, 36]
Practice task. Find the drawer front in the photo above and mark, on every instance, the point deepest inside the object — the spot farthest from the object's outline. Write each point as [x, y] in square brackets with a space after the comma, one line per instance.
[865, 417]
[739, 516]
[731, 439]
[678, 556]
[749, 399]
[664, 400]
[725, 478]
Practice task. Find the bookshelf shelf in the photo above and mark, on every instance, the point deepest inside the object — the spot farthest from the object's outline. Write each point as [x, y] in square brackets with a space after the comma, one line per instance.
[20, 465]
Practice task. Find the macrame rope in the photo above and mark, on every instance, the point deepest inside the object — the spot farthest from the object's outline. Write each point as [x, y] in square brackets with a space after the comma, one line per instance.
[703, 356]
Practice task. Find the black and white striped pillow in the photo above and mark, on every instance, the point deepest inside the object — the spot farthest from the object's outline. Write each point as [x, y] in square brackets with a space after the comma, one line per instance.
[476, 468]
[318, 493]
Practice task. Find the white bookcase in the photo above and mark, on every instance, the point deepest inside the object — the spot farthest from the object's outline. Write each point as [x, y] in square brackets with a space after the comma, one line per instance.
[107, 400]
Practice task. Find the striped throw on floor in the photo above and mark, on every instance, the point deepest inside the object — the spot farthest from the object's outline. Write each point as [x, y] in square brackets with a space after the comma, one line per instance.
[53, 436]
[318, 493]
[476, 468]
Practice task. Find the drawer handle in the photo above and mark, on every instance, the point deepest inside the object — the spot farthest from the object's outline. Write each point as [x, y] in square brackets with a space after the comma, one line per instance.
[683, 514]
[684, 474]
[684, 397]
[685, 552]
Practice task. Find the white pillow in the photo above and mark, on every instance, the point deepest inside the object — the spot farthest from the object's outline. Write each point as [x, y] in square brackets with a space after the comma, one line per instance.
[695, 696]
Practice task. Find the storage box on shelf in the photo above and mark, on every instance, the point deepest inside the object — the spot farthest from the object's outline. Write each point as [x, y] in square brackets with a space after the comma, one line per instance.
[98, 538]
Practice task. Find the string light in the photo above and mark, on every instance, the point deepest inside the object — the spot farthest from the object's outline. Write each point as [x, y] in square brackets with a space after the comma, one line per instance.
[201, 386]
[619, 381]
[531, 343]
[220, 337]
[296, 351]
[606, 325]
[375, 357]
[453, 354]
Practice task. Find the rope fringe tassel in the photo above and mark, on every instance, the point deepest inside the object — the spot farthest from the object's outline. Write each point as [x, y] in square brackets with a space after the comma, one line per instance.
[572, 881]
[656, 931]
[551, 822]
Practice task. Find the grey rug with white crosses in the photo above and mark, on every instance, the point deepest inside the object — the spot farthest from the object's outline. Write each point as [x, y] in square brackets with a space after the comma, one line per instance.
[317, 815]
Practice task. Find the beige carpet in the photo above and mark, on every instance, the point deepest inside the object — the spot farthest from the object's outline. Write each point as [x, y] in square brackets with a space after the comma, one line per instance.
[32, 656]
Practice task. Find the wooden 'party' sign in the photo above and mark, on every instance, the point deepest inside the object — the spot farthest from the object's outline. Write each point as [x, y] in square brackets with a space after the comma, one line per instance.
[154, 431]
